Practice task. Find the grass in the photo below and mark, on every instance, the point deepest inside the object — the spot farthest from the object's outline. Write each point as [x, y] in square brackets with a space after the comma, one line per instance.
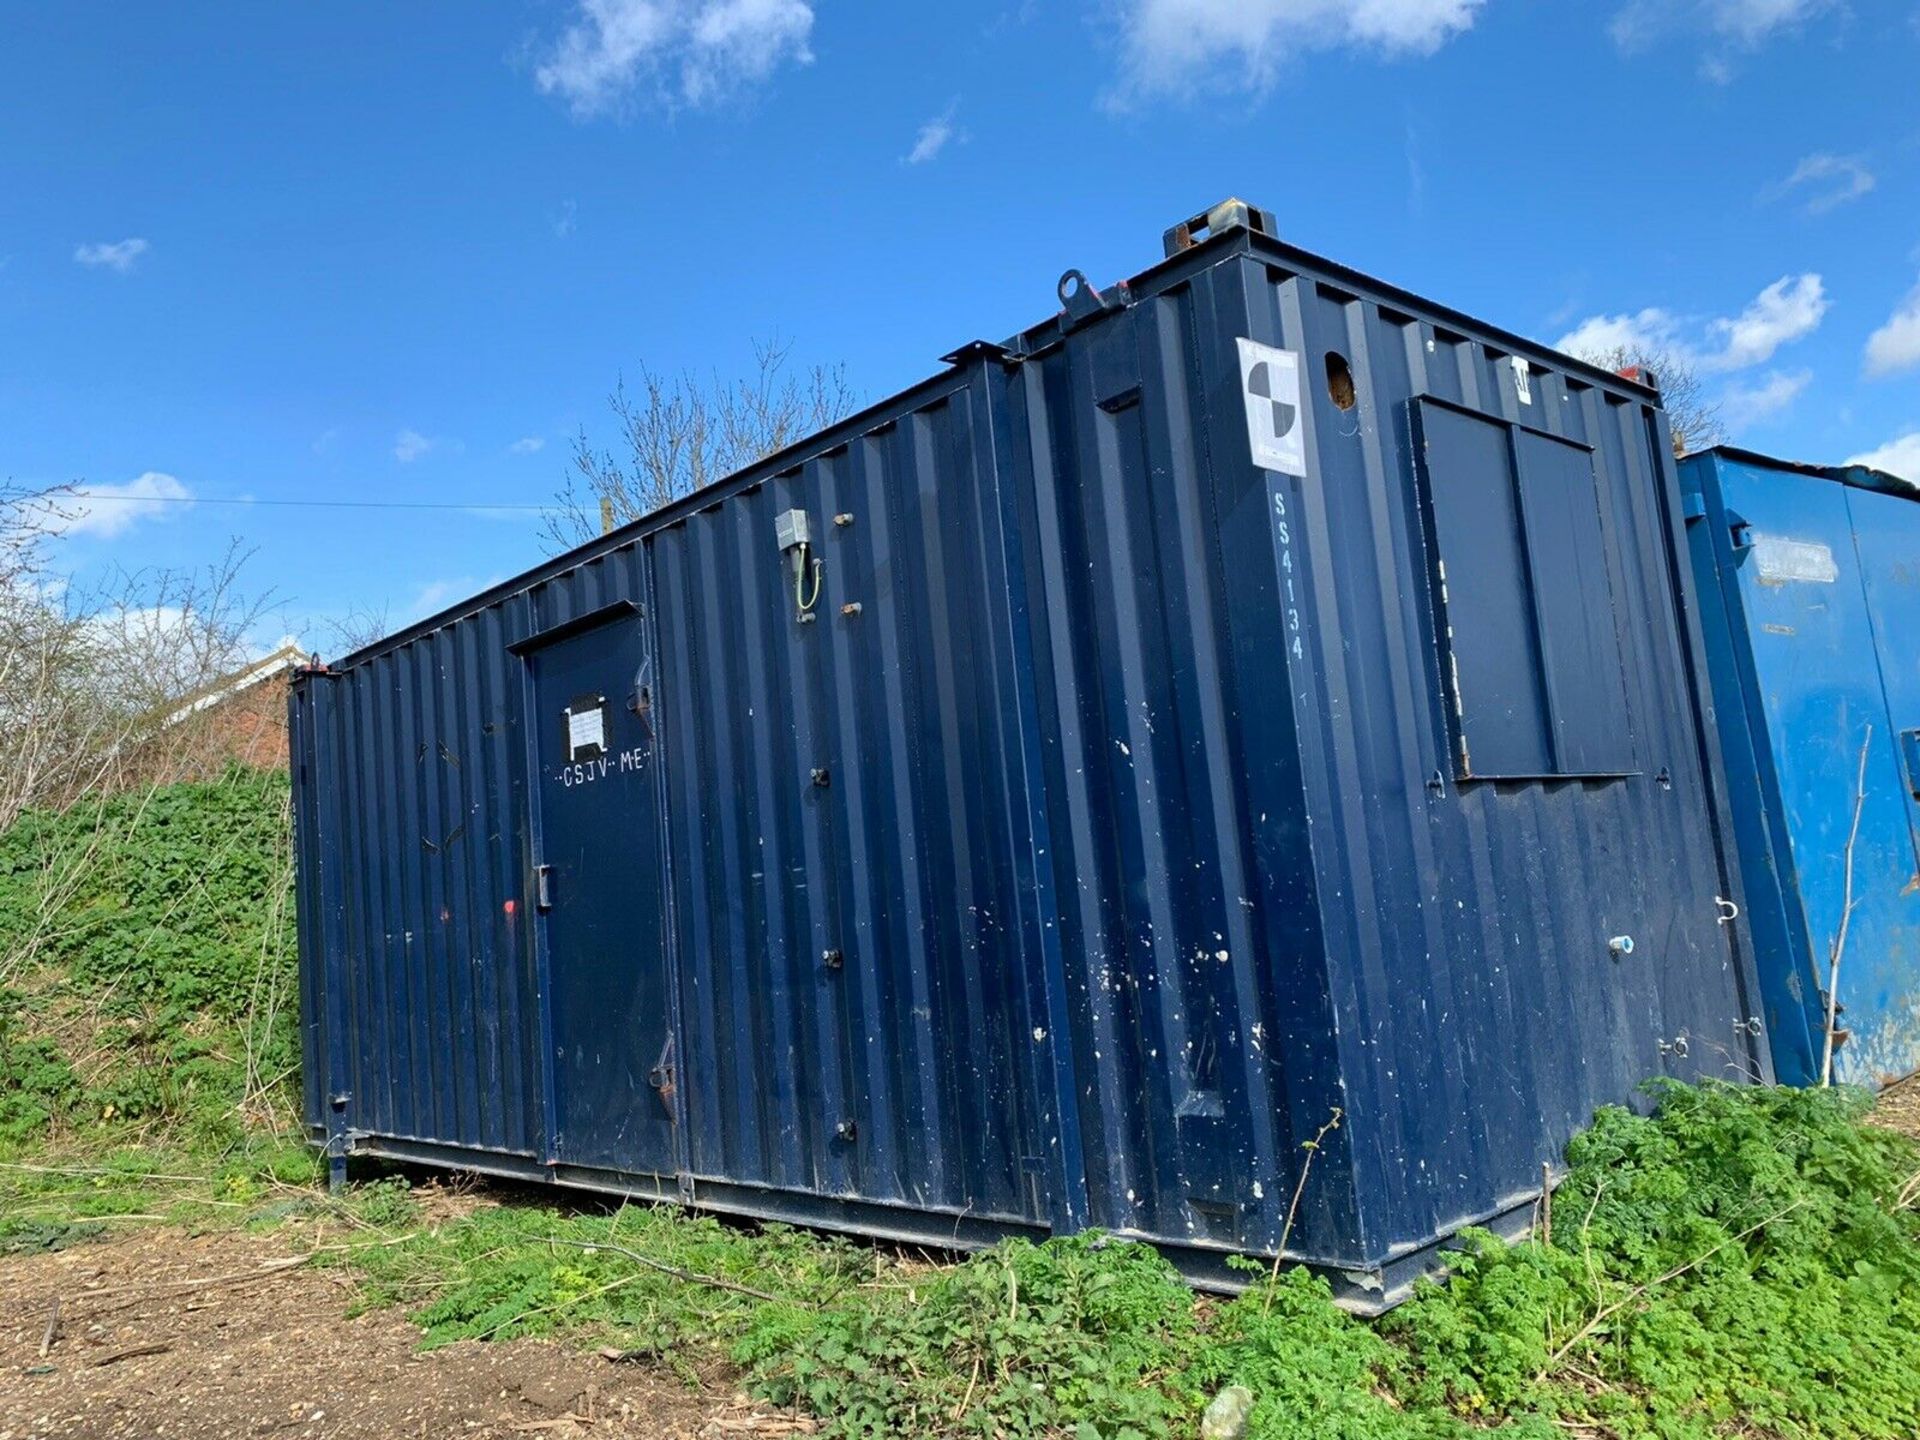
[1743, 1261]
[1739, 1262]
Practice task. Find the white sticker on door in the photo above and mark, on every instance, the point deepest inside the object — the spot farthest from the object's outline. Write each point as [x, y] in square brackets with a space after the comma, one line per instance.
[1270, 384]
[586, 728]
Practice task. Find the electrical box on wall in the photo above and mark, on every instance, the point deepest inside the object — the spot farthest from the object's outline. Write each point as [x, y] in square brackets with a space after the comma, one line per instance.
[790, 529]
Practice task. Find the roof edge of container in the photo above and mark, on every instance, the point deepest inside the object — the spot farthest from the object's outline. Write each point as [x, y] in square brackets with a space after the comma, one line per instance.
[1031, 341]
[1036, 339]
[783, 459]
[1385, 290]
[1860, 477]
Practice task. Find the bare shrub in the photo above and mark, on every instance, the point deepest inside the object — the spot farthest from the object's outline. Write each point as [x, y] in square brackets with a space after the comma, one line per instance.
[98, 682]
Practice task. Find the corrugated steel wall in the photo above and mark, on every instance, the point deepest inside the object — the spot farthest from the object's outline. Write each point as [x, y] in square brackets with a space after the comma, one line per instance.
[901, 1071]
[418, 768]
[1480, 1015]
[1186, 917]
[1099, 835]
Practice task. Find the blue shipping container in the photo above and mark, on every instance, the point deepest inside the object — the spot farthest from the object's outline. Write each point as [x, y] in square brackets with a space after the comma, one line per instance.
[1046, 799]
[1810, 586]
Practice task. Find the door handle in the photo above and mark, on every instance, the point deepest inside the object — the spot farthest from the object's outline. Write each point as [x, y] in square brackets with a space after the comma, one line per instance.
[543, 887]
[1910, 753]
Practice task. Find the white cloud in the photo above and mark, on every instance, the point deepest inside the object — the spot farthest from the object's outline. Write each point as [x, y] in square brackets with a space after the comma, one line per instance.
[1829, 181]
[1752, 21]
[115, 255]
[1895, 345]
[1787, 310]
[687, 52]
[1742, 23]
[1649, 331]
[1166, 44]
[1897, 457]
[435, 596]
[527, 444]
[106, 511]
[410, 445]
[146, 625]
[934, 137]
[1764, 399]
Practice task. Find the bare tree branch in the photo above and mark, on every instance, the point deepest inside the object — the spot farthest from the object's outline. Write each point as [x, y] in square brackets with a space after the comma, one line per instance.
[358, 628]
[92, 679]
[1693, 419]
[1847, 903]
[676, 434]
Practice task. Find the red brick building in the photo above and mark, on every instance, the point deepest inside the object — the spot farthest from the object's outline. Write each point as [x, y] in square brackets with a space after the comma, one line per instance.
[241, 718]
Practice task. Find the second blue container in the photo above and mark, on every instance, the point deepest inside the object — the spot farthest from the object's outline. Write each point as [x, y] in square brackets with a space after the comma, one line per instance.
[1810, 578]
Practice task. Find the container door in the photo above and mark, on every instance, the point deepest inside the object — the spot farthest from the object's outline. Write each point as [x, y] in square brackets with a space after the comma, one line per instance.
[1887, 537]
[597, 890]
[1805, 588]
[1885, 1011]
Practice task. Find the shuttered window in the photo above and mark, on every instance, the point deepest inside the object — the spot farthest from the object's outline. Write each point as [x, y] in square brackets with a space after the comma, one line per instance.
[1528, 638]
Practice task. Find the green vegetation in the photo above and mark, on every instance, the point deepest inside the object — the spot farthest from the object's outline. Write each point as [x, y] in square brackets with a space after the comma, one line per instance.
[1739, 1262]
[147, 963]
[1743, 1261]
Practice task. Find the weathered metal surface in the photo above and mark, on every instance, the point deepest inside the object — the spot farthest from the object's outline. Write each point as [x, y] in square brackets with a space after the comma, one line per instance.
[1104, 821]
[1812, 581]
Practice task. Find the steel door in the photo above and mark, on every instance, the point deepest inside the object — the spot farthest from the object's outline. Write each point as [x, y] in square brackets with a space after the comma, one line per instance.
[1886, 531]
[1806, 562]
[597, 889]
[1885, 1011]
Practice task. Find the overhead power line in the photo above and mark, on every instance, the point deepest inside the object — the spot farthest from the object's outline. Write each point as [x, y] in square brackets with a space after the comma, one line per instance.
[93, 497]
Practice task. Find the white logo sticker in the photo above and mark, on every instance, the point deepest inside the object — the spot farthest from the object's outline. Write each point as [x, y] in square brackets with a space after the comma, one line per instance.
[1270, 383]
[1779, 559]
[1523, 379]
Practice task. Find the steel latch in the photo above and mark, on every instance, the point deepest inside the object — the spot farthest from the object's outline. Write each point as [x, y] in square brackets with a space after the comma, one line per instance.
[543, 887]
[1739, 532]
[1910, 755]
[1226, 215]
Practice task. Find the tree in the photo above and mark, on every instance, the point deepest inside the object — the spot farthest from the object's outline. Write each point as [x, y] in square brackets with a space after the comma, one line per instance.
[678, 433]
[92, 678]
[1693, 419]
[357, 629]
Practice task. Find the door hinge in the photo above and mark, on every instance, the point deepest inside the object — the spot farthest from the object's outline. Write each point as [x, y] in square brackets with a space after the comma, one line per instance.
[1910, 756]
[543, 887]
[661, 1078]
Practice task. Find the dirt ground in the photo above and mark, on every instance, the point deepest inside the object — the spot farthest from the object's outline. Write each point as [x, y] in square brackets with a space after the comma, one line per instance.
[1899, 1107]
[165, 1335]
[162, 1334]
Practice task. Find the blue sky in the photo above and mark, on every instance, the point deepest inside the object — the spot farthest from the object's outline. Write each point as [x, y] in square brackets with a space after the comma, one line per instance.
[401, 253]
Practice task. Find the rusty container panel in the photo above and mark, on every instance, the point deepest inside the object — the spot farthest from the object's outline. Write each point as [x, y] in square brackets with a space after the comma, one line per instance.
[1048, 798]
